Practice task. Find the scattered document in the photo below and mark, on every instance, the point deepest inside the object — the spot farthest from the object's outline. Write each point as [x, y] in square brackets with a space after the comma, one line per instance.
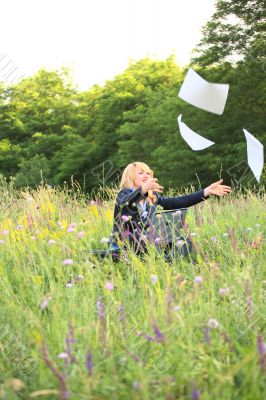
[193, 139]
[255, 154]
[202, 94]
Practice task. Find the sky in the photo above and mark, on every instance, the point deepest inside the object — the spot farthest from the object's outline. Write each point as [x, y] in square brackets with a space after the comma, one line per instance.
[96, 39]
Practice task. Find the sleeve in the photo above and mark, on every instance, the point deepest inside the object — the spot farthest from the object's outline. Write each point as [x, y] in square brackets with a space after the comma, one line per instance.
[126, 197]
[172, 203]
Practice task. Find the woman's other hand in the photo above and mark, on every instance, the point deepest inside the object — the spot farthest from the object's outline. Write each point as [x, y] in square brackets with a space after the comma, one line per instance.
[151, 184]
[217, 189]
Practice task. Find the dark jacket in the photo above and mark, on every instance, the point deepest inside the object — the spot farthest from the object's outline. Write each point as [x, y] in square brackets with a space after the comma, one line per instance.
[128, 215]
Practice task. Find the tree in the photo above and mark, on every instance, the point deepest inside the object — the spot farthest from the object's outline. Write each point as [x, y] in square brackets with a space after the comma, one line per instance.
[235, 31]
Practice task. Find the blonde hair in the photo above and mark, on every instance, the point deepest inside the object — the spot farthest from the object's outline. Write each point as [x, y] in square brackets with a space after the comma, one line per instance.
[129, 174]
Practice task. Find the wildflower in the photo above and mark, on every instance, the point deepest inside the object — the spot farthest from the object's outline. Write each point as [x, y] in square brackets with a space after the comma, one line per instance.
[109, 286]
[69, 285]
[157, 240]
[89, 363]
[198, 280]
[158, 334]
[261, 351]
[177, 308]
[154, 279]
[33, 237]
[225, 234]
[257, 225]
[81, 234]
[105, 240]
[125, 218]
[223, 292]
[193, 234]
[214, 239]
[60, 224]
[100, 309]
[2, 241]
[195, 395]
[5, 232]
[212, 323]
[19, 227]
[51, 241]
[63, 356]
[249, 229]
[67, 261]
[45, 301]
[70, 229]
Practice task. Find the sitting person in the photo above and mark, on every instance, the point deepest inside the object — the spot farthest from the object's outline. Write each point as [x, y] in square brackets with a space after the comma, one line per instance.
[137, 201]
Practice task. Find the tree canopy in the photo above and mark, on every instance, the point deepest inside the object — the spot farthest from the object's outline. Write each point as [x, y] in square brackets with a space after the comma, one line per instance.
[51, 132]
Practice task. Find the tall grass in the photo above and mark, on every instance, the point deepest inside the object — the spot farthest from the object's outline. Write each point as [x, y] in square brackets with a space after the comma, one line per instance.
[72, 326]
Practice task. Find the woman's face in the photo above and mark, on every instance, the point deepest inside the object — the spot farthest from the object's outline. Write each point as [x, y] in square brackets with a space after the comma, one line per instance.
[141, 177]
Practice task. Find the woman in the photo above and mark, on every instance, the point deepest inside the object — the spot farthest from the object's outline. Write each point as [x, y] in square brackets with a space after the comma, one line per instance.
[137, 201]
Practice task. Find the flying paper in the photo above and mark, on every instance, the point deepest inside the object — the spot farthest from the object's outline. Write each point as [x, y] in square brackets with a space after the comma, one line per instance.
[202, 94]
[255, 154]
[193, 139]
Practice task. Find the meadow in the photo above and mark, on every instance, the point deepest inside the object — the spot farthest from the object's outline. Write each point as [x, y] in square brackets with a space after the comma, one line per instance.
[75, 327]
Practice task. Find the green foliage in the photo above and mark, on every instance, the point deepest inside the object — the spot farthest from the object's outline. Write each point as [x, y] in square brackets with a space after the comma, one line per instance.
[33, 171]
[236, 30]
[91, 136]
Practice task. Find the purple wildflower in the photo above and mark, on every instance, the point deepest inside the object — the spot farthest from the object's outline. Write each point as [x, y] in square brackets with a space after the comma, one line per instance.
[67, 261]
[89, 363]
[158, 334]
[262, 352]
[100, 309]
[109, 286]
[198, 280]
[195, 395]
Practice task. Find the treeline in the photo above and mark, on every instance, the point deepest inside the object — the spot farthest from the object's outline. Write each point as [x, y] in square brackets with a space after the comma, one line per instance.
[52, 132]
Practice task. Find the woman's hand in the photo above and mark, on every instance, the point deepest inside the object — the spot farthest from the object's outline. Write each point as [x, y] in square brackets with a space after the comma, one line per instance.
[151, 184]
[217, 189]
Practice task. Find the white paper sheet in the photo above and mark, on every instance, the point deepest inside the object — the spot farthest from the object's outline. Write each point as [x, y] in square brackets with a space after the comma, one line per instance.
[255, 154]
[193, 139]
[202, 94]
